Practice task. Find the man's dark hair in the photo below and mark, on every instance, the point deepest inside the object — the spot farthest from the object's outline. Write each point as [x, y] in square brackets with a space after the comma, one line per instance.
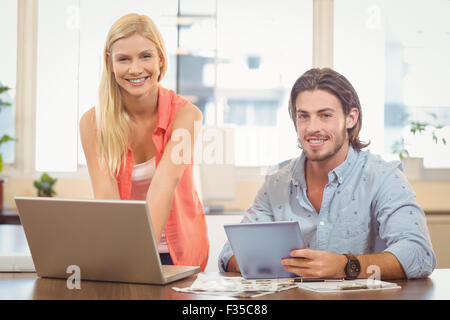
[336, 84]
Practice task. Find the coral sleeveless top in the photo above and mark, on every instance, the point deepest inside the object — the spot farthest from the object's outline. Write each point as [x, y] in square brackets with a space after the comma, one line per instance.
[185, 230]
[141, 178]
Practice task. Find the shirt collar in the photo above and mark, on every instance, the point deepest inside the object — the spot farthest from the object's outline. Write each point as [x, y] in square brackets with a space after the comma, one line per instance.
[340, 172]
[163, 118]
[298, 171]
[164, 98]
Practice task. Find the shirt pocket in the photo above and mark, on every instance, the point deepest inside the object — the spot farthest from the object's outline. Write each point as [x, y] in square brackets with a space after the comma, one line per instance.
[350, 224]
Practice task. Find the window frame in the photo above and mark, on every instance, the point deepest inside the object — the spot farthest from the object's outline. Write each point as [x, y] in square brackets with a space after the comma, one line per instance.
[25, 104]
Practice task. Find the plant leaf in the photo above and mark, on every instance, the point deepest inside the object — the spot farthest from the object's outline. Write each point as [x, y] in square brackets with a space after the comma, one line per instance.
[417, 126]
[399, 148]
[45, 185]
[6, 138]
[4, 89]
[4, 103]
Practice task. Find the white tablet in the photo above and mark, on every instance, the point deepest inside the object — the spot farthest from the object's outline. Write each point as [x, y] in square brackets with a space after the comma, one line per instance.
[259, 247]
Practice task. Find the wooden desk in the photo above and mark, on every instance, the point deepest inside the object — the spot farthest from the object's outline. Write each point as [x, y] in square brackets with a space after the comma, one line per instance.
[23, 286]
[29, 286]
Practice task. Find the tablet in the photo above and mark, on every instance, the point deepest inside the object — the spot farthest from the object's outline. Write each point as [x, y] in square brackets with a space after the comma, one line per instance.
[259, 247]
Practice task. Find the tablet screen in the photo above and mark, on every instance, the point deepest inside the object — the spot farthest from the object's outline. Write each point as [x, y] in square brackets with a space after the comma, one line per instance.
[259, 247]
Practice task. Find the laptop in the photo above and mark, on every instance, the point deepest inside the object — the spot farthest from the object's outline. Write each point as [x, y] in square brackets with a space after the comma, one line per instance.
[108, 240]
[259, 247]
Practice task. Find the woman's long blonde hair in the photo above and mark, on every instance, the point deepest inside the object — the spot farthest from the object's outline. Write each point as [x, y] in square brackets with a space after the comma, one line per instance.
[113, 121]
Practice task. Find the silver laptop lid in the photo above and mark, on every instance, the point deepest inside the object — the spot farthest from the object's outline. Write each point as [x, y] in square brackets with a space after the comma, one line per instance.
[109, 240]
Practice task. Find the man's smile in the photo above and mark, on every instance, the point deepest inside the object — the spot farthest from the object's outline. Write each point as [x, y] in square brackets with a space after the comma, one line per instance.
[316, 141]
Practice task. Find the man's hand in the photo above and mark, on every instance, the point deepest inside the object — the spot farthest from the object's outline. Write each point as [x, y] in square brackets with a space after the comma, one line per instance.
[315, 264]
[232, 265]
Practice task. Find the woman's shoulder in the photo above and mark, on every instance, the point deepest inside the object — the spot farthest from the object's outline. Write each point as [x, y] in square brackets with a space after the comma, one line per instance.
[87, 121]
[190, 110]
[187, 114]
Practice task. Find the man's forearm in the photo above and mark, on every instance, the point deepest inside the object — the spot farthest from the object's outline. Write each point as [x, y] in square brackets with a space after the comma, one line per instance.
[385, 263]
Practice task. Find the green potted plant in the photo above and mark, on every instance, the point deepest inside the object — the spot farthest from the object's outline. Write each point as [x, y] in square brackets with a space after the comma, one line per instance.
[413, 165]
[45, 185]
[3, 139]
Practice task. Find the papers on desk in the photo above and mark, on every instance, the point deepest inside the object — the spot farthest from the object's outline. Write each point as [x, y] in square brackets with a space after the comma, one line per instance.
[214, 284]
[348, 286]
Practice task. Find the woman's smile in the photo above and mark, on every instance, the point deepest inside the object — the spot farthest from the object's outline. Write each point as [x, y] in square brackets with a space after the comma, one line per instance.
[137, 82]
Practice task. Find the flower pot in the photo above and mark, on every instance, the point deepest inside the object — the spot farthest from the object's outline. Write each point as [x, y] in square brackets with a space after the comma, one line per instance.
[413, 168]
[44, 195]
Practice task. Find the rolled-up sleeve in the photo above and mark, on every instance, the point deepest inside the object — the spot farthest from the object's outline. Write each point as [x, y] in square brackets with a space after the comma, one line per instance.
[402, 226]
[260, 211]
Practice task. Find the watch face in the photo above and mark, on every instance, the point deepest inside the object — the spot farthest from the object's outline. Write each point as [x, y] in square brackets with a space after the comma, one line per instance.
[353, 268]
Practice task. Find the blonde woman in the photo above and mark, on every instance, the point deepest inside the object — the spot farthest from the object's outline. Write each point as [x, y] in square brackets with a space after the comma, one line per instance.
[128, 146]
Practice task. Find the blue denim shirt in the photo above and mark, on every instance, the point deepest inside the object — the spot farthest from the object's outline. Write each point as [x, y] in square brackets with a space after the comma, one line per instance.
[368, 207]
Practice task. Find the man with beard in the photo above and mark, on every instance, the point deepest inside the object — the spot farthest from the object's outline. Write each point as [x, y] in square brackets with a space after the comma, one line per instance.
[355, 210]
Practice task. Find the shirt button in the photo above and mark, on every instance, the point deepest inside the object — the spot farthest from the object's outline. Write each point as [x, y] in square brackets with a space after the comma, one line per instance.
[322, 223]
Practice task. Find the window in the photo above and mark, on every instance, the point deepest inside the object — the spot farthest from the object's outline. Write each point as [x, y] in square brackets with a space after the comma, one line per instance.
[396, 54]
[239, 61]
[8, 59]
[71, 37]
[235, 60]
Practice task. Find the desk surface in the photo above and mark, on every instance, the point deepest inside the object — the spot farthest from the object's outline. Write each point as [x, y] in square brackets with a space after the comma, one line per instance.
[23, 286]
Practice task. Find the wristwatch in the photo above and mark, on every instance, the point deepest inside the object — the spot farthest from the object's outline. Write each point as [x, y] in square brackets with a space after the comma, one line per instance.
[352, 268]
